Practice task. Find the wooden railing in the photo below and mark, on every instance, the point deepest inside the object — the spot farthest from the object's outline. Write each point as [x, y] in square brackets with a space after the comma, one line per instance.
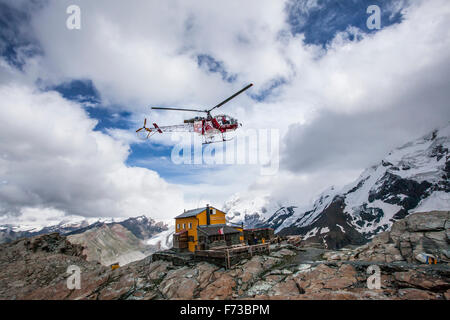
[233, 254]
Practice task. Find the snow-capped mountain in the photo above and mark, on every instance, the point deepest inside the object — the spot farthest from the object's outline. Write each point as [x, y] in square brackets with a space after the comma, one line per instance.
[252, 211]
[142, 227]
[412, 178]
[106, 240]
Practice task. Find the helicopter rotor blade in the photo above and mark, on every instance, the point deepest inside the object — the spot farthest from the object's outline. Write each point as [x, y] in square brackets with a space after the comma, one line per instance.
[139, 129]
[233, 96]
[178, 109]
[145, 122]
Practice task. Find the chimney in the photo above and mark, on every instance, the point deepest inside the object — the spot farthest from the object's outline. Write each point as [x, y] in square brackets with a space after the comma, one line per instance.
[208, 215]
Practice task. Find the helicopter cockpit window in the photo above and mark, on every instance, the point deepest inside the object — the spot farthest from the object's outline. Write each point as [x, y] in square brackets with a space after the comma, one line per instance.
[223, 120]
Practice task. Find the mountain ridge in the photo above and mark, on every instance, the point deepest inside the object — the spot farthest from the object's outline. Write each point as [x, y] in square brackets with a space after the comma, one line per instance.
[411, 178]
[141, 226]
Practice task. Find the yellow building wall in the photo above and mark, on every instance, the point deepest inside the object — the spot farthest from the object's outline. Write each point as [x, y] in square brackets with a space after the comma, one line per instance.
[200, 219]
[218, 218]
[191, 231]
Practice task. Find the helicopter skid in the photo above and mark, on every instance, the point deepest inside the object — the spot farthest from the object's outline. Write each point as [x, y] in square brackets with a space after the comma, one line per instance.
[219, 141]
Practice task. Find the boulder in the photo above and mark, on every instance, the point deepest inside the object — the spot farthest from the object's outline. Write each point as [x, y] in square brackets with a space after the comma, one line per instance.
[205, 273]
[418, 233]
[179, 284]
[420, 280]
[252, 269]
[283, 253]
[428, 221]
[286, 288]
[416, 294]
[158, 269]
[220, 289]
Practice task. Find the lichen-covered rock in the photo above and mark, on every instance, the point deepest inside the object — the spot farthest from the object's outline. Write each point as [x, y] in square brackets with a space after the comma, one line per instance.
[252, 269]
[417, 233]
[422, 233]
[416, 294]
[158, 269]
[286, 288]
[282, 253]
[220, 289]
[420, 280]
[179, 284]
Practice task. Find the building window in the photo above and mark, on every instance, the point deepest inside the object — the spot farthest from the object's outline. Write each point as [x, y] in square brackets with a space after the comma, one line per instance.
[178, 226]
[213, 211]
[184, 226]
[190, 225]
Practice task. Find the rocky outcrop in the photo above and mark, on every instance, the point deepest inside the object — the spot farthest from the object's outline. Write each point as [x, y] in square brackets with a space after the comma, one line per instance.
[423, 233]
[418, 233]
[53, 243]
[37, 269]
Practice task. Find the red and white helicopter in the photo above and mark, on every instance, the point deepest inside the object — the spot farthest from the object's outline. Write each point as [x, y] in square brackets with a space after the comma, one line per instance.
[208, 127]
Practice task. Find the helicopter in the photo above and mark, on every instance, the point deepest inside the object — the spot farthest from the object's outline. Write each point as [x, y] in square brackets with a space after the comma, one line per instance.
[209, 126]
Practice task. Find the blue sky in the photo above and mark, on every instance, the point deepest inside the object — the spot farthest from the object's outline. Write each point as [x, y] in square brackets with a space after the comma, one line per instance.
[321, 23]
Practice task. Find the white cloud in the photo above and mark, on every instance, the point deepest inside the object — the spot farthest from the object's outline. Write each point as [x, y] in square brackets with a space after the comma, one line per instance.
[50, 157]
[346, 107]
[145, 53]
[369, 95]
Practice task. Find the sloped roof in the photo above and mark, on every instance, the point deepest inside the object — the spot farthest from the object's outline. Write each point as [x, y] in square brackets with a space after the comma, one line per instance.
[191, 213]
[213, 229]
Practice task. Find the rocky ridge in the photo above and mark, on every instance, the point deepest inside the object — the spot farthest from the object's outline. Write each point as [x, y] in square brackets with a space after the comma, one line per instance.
[36, 269]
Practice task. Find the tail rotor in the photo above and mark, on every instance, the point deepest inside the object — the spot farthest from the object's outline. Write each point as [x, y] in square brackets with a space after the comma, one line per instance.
[144, 132]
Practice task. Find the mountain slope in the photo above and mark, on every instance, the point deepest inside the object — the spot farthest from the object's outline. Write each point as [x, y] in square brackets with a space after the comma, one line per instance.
[142, 227]
[111, 243]
[105, 240]
[412, 178]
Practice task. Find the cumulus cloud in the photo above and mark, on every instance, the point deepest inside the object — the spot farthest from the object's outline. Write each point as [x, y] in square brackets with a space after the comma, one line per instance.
[51, 158]
[338, 107]
[348, 105]
[154, 45]
[375, 94]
